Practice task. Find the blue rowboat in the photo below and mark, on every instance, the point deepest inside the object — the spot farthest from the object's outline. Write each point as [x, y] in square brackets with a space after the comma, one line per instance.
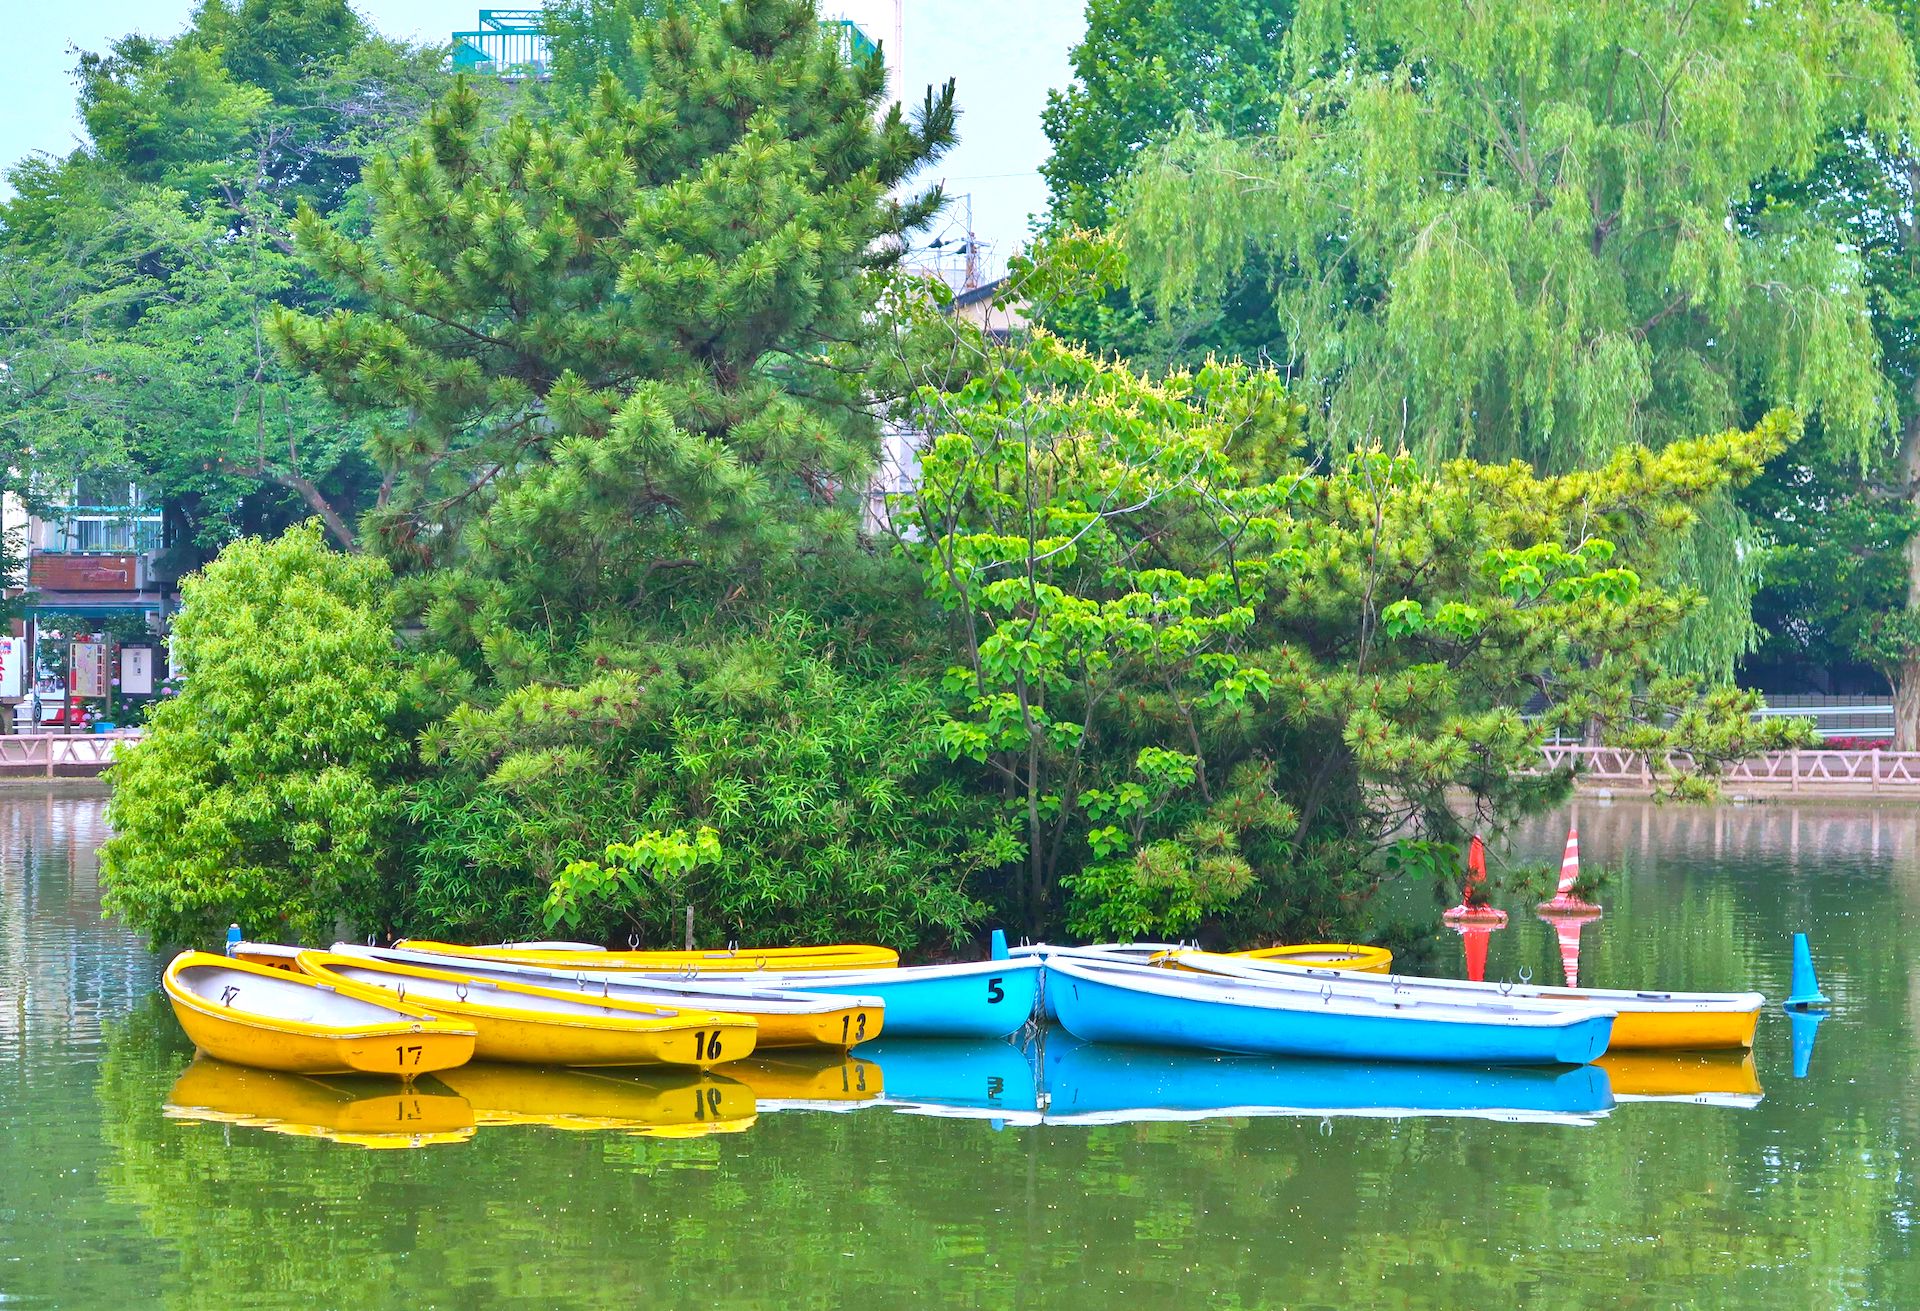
[1093, 1084]
[1154, 1007]
[981, 999]
[984, 1078]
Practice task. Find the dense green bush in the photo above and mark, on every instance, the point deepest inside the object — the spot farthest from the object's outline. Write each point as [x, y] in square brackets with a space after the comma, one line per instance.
[819, 772]
[265, 792]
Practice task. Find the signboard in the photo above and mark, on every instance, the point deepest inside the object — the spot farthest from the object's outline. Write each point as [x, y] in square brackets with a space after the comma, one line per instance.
[13, 665]
[136, 670]
[90, 669]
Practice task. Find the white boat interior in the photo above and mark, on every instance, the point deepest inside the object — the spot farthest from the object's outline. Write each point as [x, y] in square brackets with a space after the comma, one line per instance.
[288, 998]
[426, 990]
[620, 985]
[1312, 978]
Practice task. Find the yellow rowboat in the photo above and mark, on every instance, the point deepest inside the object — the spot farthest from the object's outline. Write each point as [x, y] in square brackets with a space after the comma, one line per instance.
[747, 960]
[1329, 955]
[1324, 955]
[272, 1020]
[1644, 1020]
[531, 1025]
[356, 1109]
[271, 954]
[657, 1103]
[1699, 1078]
[804, 1081]
[785, 1018]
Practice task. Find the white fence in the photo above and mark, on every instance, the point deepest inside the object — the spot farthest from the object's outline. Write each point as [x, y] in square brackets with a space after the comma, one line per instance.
[67, 755]
[1851, 772]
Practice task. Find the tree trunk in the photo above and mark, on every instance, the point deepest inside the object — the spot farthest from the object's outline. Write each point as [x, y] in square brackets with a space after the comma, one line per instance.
[1906, 685]
[1906, 707]
[336, 524]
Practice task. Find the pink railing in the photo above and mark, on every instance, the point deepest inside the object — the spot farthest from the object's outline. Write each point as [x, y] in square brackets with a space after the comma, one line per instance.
[51, 753]
[1790, 771]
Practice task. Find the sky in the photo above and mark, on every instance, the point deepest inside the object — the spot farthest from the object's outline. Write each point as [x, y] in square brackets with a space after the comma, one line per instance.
[1003, 54]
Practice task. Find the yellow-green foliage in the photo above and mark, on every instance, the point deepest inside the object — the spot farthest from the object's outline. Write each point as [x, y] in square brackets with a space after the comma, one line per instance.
[1216, 675]
[260, 794]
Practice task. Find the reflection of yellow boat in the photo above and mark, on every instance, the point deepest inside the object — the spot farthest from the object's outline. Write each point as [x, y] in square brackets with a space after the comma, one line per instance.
[1326, 955]
[342, 1109]
[659, 1103]
[746, 960]
[796, 1080]
[272, 1020]
[1712, 1078]
[545, 1026]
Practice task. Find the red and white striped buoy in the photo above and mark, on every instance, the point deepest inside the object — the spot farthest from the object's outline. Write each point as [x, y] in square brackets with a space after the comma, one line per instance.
[1474, 909]
[1563, 900]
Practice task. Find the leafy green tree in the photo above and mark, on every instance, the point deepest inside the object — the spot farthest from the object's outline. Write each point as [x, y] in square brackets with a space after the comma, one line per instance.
[817, 769]
[1835, 567]
[1142, 69]
[1844, 564]
[1216, 682]
[263, 794]
[136, 275]
[1528, 230]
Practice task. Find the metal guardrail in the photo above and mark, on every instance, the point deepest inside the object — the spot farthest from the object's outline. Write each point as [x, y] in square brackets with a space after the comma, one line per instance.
[60, 755]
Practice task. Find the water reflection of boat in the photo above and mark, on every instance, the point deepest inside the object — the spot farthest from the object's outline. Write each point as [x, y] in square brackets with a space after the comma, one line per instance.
[1702, 1078]
[987, 1079]
[1094, 1084]
[366, 1111]
[663, 1103]
[809, 1081]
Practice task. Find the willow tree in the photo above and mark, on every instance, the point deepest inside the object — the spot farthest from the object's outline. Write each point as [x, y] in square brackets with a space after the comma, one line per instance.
[1541, 230]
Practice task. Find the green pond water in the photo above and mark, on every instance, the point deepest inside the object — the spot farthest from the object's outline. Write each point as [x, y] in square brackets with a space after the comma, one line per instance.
[915, 1175]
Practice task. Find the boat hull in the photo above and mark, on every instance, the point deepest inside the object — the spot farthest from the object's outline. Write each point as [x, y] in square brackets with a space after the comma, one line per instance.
[1677, 1030]
[983, 999]
[784, 1017]
[412, 1042]
[1101, 1007]
[1645, 1021]
[527, 1025]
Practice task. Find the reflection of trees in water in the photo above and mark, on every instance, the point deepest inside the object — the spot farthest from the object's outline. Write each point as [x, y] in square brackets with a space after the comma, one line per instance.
[61, 969]
[1796, 834]
[1659, 1205]
[1799, 1203]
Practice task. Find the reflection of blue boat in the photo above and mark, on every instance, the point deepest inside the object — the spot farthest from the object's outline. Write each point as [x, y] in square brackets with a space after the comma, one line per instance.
[1148, 1006]
[981, 999]
[1090, 1084]
[989, 1078]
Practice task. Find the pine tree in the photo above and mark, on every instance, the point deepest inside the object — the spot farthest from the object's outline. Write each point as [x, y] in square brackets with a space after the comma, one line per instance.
[623, 357]
[623, 349]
